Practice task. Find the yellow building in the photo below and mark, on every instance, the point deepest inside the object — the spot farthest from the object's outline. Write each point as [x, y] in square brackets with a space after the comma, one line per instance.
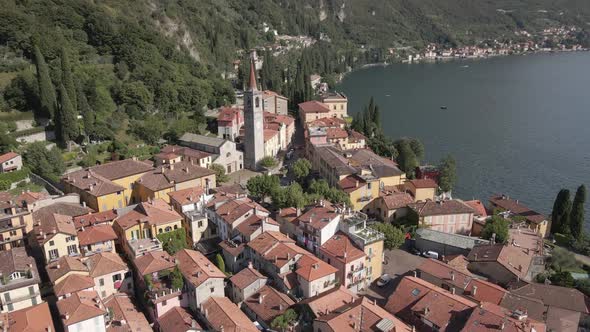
[15, 222]
[168, 178]
[337, 103]
[56, 236]
[361, 188]
[107, 186]
[422, 189]
[146, 221]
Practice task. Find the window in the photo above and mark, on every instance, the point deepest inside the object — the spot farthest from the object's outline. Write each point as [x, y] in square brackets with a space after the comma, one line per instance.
[119, 192]
[10, 307]
[17, 275]
[12, 233]
[103, 294]
[34, 300]
[53, 254]
[51, 243]
[7, 296]
[168, 228]
[200, 223]
[70, 238]
[212, 289]
[175, 226]
[31, 290]
[101, 281]
[72, 249]
[160, 231]
[257, 102]
[116, 277]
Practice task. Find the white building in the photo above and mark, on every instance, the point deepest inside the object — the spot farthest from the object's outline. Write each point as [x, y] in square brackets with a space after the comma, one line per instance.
[83, 312]
[224, 152]
[20, 280]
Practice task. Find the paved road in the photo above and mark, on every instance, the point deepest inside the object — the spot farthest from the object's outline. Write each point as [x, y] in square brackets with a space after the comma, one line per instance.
[398, 263]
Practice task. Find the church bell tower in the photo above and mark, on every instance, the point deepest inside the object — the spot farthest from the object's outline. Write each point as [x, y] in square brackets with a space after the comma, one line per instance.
[253, 122]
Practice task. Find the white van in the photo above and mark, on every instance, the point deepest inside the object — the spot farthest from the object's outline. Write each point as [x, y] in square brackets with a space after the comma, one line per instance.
[430, 254]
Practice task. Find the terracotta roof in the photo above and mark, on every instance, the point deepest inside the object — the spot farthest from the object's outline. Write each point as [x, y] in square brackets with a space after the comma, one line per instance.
[397, 200]
[423, 183]
[196, 268]
[284, 253]
[233, 190]
[432, 208]
[365, 312]
[269, 134]
[478, 207]
[105, 217]
[96, 234]
[32, 319]
[268, 240]
[342, 248]
[221, 313]
[177, 319]
[268, 303]
[319, 216]
[55, 224]
[446, 273]
[311, 268]
[562, 320]
[79, 307]
[534, 308]
[514, 259]
[254, 223]
[287, 120]
[156, 212]
[105, 263]
[289, 214]
[65, 209]
[355, 136]
[228, 114]
[313, 107]
[233, 248]
[231, 209]
[485, 291]
[328, 122]
[184, 151]
[246, 277]
[167, 176]
[153, 261]
[7, 156]
[556, 296]
[64, 265]
[491, 317]
[413, 295]
[336, 133]
[126, 315]
[458, 262]
[73, 283]
[329, 301]
[351, 183]
[30, 197]
[187, 196]
[518, 208]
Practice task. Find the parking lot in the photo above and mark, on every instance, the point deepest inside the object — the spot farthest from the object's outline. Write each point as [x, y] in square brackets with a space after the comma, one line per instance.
[398, 263]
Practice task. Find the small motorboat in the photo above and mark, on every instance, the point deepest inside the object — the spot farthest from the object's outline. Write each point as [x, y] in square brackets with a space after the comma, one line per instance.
[443, 107]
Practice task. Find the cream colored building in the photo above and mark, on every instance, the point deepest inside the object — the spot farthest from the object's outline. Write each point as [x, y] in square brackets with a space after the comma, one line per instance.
[190, 203]
[56, 236]
[19, 288]
[337, 102]
[83, 312]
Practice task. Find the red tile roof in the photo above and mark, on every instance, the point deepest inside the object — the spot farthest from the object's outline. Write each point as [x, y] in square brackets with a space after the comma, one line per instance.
[187, 196]
[268, 303]
[105, 263]
[126, 315]
[397, 200]
[485, 291]
[491, 317]
[318, 216]
[311, 268]
[518, 208]
[221, 313]
[432, 208]
[342, 248]
[478, 207]
[246, 277]
[7, 156]
[96, 234]
[556, 296]
[514, 259]
[95, 218]
[79, 307]
[329, 301]
[196, 268]
[177, 319]
[313, 107]
[32, 319]
[446, 273]
[336, 133]
[73, 283]
[156, 212]
[64, 265]
[423, 183]
[153, 261]
[328, 122]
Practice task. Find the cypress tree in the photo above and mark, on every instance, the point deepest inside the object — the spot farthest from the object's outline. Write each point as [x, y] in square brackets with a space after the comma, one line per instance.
[67, 78]
[85, 111]
[561, 212]
[46, 89]
[577, 214]
[66, 126]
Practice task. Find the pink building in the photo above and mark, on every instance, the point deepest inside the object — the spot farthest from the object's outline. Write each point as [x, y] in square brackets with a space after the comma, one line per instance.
[448, 216]
[229, 122]
[340, 252]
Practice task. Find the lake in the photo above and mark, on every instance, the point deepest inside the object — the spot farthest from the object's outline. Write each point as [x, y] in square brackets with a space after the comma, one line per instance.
[516, 125]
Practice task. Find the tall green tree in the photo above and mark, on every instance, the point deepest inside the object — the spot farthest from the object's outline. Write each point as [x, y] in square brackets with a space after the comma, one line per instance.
[301, 168]
[67, 78]
[220, 262]
[47, 98]
[262, 186]
[88, 116]
[66, 121]
[448, 173]
[561, 212]
[577, 214]
[498, 226]
[406, 159]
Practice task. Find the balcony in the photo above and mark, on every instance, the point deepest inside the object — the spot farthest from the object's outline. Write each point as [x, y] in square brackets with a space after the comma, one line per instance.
[138, 247]
[365, 199]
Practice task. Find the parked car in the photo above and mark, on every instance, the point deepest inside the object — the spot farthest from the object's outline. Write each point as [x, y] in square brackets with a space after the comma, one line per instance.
[430, 254]
[383, 280]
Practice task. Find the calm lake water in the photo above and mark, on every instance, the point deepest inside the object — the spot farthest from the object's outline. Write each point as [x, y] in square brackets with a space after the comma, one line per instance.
[517, 125]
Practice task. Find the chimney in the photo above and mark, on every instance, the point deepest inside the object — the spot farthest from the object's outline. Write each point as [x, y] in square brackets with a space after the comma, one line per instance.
[452, 275]
[453, 290]
[415, 273]
[474, 290]
[260, 298]
[83, 203]
[57, 266]
[250, 266]
[426, 311]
